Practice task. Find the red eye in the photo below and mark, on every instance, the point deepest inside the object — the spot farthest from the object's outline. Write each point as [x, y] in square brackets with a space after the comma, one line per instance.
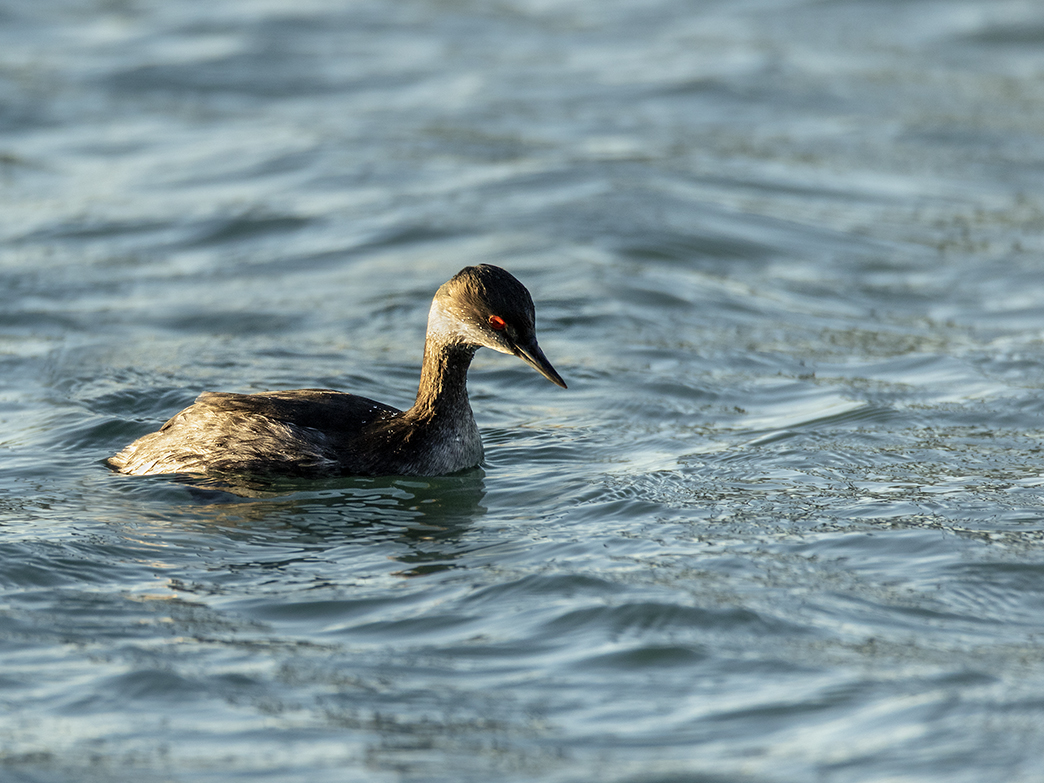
[497, 323]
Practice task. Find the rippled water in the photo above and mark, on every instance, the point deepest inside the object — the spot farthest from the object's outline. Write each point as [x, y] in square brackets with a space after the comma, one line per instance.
[785, 525]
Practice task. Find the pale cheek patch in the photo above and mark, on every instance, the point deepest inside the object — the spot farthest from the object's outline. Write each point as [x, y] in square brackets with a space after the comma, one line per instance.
[448, 325]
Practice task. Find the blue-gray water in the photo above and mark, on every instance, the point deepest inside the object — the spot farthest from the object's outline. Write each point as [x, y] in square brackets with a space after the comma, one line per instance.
[785, 525]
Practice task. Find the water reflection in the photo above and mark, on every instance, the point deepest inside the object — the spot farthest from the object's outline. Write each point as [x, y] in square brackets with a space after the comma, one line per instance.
[287, 522]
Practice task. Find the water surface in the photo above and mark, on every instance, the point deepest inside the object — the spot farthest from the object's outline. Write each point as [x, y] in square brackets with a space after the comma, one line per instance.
[786, 523]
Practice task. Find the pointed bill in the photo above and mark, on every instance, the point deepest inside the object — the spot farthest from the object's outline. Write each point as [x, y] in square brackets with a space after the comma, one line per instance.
[534, 357]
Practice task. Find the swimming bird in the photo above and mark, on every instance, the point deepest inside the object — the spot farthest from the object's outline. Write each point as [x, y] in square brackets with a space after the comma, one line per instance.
[320, 432]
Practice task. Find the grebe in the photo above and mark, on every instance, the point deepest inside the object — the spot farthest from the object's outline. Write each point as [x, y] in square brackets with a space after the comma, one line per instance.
[319, 432]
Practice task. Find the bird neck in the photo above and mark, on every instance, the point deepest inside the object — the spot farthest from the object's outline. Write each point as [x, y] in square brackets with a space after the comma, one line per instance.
[444, 374]
[443, 388]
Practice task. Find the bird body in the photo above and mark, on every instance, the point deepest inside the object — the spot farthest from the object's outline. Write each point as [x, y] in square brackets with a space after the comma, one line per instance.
[321, 432]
